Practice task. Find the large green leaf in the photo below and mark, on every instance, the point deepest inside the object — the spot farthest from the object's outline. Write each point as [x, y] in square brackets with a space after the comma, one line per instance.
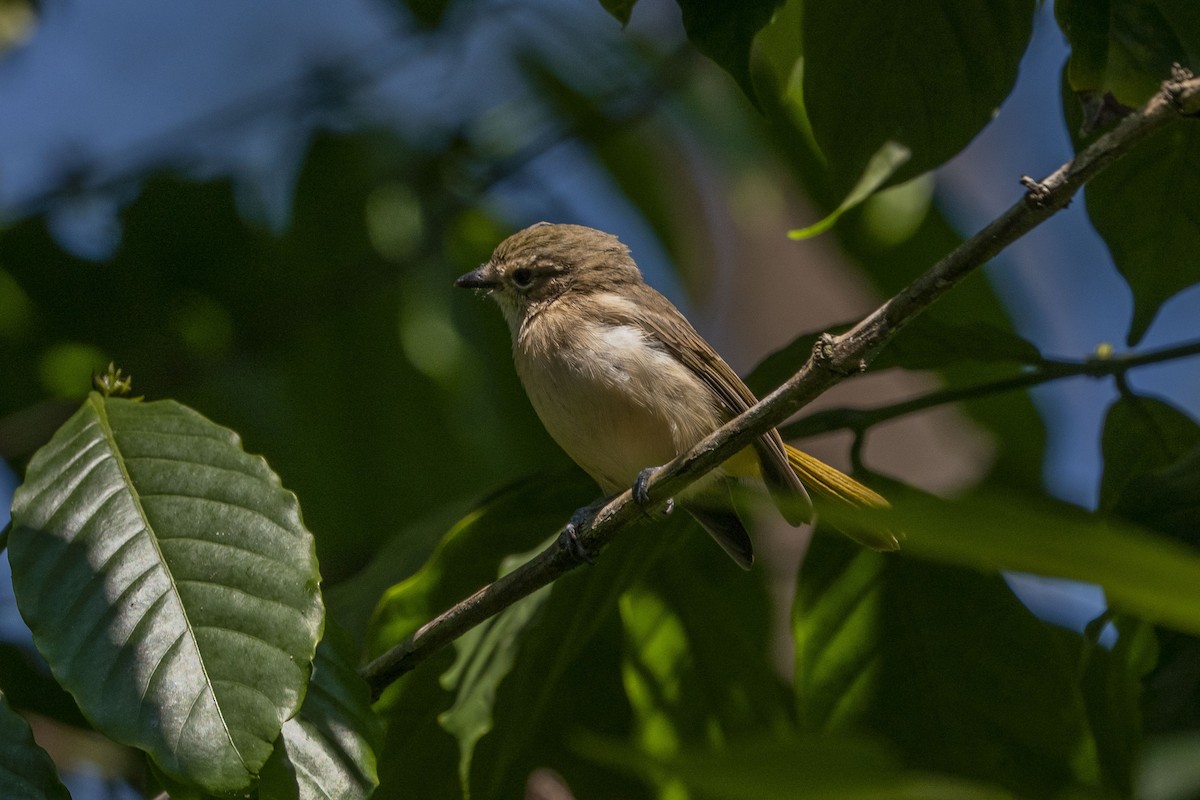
[419, 755]
[724, 32]
[1141, 573]
[945, 663]
[1112, 686]
[1144, 207]
[1125, 48]
[567, 674]
[926, 75]
[1166, 500]
[514, 519]
[1142, 437]
[26, 771]
[171, 585]
[327, 751]
[929, 342]
[698, 641]
[485, 657]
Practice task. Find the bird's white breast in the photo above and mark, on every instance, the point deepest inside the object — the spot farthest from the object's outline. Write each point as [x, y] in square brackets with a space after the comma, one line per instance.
[613, 400]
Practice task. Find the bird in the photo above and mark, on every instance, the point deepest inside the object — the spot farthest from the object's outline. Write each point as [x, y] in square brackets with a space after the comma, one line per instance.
[623, 382]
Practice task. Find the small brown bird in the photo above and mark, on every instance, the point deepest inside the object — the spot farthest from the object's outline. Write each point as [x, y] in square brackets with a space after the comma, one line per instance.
[624, 383]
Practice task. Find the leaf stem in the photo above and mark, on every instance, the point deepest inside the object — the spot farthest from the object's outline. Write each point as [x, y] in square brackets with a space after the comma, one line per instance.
[859, 419]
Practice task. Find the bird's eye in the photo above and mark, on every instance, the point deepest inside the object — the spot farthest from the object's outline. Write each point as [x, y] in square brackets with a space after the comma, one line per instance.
[522, 277]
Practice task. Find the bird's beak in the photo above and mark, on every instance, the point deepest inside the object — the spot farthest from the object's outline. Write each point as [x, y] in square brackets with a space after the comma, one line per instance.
[476, 279]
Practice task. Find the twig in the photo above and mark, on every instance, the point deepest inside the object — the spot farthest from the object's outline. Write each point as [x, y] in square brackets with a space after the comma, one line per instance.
[859, 419]
[833, 358]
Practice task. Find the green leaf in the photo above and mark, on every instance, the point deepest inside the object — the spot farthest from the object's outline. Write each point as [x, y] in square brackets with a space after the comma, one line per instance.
[913, 652]
[26, 771]
[1112, 686]
[327, 751]
[419, 756]
[170, 584]
[485, 657]
[785, 767]
[697, 643]
[702, 634]
[930, 342]
[1141, 573]
[1144, 207]
[724, 32]
[514, 519]
[621, 9]
[28, 685]
[1125, 48]
[1142, 436]
[568, 670]
[780, 365]
[925, 75]
[1166, 500]
[885, 162]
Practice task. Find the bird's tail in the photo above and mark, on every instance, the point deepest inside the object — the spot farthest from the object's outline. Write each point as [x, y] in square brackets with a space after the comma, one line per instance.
[835, 484]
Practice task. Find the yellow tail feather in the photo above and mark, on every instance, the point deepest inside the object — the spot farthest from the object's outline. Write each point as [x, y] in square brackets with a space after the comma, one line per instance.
[833, 483]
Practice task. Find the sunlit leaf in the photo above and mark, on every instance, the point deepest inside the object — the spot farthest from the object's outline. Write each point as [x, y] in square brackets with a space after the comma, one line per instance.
[171, 585]
[889, 158]
[327, 751]
[26, 771]
[567, 675]
[419, 755]
[485, 657]
[926, 75]
[1141, 573]
[913, 652]
[696, 665]
[513, 520]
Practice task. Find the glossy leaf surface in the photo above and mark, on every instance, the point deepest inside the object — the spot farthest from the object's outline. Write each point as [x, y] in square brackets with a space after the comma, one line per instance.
[171, 585]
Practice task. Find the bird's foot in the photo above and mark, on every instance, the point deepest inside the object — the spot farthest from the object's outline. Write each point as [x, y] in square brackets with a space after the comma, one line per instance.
[641, 495]
[571, 540]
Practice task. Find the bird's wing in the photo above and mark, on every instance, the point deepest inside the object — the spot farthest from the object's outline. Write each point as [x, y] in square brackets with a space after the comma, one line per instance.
[675, 334]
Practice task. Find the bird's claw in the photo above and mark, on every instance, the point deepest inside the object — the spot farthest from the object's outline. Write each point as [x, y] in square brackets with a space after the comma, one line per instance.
[570, 540]
[641, 494]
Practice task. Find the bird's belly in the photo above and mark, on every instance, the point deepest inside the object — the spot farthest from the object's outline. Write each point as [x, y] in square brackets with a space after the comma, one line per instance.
[620, 408]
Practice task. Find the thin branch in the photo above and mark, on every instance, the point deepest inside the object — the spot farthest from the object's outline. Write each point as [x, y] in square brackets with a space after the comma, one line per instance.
[833, 358]
[859, 419]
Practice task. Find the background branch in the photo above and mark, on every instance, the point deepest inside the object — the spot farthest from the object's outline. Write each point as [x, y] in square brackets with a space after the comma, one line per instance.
[833, 358]
[859, 419]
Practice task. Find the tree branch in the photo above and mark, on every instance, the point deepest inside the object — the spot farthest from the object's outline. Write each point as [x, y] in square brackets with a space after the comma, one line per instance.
[833, 358]
[859, 419]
